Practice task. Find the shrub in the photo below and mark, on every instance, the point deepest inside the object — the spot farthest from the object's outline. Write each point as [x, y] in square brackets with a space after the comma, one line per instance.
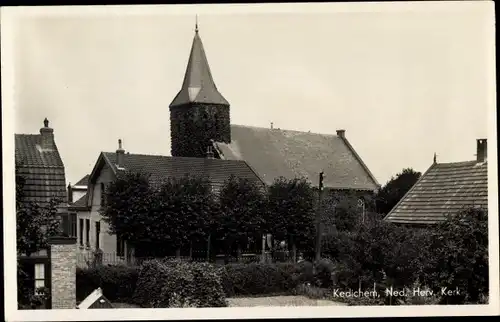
[458, 257]
[117, 282]
[174, 283]
[323, 275]
[265, 278]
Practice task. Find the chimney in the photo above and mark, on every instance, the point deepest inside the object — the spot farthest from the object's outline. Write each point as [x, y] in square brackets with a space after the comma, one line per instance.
[47, 135]
[482, 151]
[70, 193]
[120, 153]
[210, 152]
[341, 133]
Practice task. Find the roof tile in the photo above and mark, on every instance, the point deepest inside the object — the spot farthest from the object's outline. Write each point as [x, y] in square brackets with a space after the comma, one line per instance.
[42, 169]
[160, 168]
[277, 153]
[446, 188]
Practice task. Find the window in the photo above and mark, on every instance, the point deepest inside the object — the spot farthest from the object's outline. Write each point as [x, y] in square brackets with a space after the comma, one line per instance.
[39, 275]
[81, 232]
[103, 199]
[65, 224]
[97, 234]
[120, 246]
[87, 232]
[72, 225]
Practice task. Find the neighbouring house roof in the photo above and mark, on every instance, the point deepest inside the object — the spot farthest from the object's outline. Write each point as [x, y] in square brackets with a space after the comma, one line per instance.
[274, 153]
[83, 181]
[160, 168]
[80, 204]
[198, 85]
[445, 188]
[41, 165]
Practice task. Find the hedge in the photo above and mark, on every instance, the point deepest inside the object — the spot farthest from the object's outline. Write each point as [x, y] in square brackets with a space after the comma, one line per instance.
[155, 282]
[117, 282]
[174, 283]
[264, 278]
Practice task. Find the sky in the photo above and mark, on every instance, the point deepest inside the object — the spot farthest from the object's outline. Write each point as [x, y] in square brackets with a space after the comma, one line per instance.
[404, 81]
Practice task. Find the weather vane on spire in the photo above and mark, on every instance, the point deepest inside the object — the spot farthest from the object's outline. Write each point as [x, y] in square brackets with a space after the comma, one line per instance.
[196, 24]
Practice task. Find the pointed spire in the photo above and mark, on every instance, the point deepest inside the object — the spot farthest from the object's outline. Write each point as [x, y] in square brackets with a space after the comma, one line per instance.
[435, 158]
[196, 25]
[198, 85]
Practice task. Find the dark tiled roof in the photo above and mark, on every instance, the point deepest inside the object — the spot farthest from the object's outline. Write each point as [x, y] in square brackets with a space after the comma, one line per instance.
[43, 169]
[198, 85]
[273, 153]
[83, 181]
[444, 189]
[162, 167]
[29, 152]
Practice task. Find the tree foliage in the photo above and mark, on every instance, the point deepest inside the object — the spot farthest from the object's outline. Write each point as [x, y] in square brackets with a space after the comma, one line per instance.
[242, 211]
[458, 255]
[35, 224]
[177, 212]
[291, 211]
[185, 210]
[390, 194]
[129, 207]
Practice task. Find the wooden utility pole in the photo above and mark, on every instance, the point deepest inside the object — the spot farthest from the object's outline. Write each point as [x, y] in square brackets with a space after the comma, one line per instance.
[318, 217]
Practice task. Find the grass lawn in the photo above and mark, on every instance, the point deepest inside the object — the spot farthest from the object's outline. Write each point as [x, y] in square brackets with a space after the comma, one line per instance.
[279, 301]
[283, 300]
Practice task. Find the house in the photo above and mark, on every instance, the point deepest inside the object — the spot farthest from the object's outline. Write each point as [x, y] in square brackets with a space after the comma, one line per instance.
[93, 232]
[38, 161]
[445, 189]
[204, 141]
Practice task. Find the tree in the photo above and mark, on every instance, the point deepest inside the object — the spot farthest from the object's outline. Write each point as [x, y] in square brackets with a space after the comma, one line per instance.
[128, 208]
[291, 211]
[458, 256]
[185, 211]
[390, 194]
[241, 212]
[35, 223]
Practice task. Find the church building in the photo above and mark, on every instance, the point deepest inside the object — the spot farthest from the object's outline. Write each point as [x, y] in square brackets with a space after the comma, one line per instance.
[203, 141]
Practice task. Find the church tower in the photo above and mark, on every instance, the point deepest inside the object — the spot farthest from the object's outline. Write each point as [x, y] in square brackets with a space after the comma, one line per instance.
[199, 113]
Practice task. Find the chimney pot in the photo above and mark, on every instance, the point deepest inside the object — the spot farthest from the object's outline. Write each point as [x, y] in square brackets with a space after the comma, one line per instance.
[341, 133]
[482, 150]
[47, 135]
[70, 193]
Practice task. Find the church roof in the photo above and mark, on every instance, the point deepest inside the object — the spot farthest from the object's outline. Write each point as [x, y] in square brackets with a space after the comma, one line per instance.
[274, 153]
[160, 168]
[41, 166]
[198, 85]
[446, 188]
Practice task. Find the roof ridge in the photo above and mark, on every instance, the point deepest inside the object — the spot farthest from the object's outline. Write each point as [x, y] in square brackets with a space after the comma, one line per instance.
[172, 157]
[363, 165]
[460, 162]
[285, 130]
